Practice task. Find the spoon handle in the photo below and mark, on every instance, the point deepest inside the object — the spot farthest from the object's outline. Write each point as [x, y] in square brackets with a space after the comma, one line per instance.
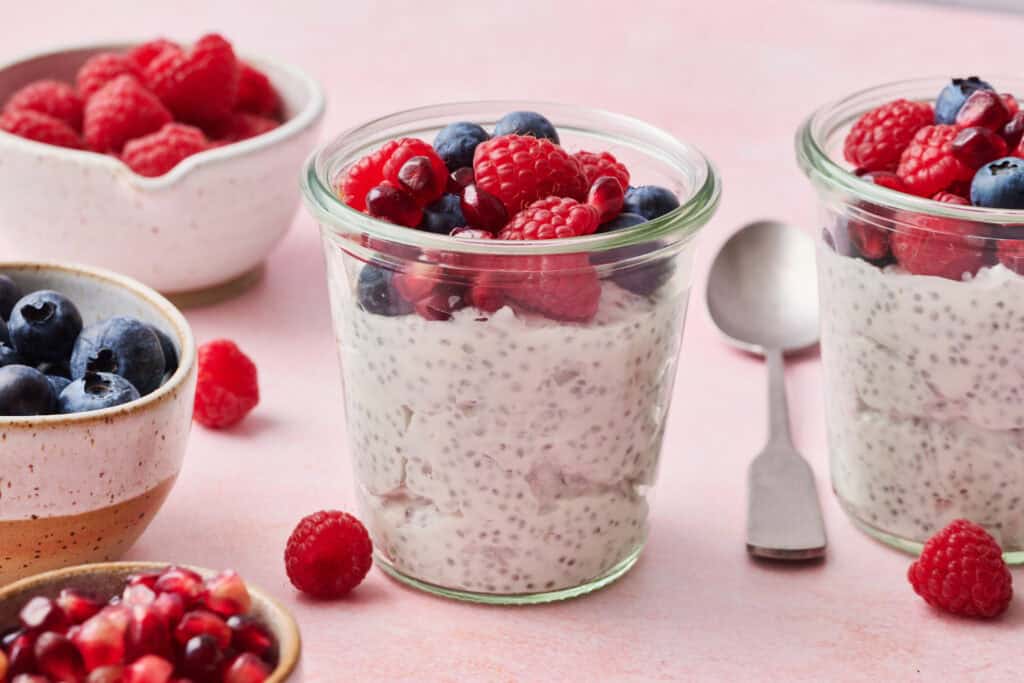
[778, 408]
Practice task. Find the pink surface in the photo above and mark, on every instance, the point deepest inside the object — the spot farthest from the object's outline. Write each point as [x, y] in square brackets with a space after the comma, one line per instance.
[734, 77]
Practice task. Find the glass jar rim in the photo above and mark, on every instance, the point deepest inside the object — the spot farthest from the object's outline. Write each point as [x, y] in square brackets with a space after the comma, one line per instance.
[678, 225]
[822, 169]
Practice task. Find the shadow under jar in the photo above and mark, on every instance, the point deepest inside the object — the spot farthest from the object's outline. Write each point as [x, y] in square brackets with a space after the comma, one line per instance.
[501, 454]
[923, 370]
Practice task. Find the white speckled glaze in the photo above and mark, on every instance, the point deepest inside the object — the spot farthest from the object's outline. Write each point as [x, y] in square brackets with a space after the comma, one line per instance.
[103, 474]
[215, 217]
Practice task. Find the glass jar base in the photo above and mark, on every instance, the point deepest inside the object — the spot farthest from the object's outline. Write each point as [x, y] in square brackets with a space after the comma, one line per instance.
[1015, 557]
[609, 577]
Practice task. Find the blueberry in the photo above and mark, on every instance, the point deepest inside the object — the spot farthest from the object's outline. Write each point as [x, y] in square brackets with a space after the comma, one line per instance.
[526, 123]
[57, 385]
[9, 356]
[954, 95]
[623, 220]
[58, 368]
[376, 293]
[5, 337]
[95, 391]
[443, 215]
[456, 142]
[169, 349]
[24, 391]
[649, 201]
[9, 295]
[44, 326]
[121, 346]
[999, 184]
[644, 278]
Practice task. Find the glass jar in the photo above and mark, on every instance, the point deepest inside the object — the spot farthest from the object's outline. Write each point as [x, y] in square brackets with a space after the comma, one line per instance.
[922, 322]
[505, 429]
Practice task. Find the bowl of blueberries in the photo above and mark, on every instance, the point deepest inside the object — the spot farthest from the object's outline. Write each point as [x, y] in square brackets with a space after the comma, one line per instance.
[97, 384]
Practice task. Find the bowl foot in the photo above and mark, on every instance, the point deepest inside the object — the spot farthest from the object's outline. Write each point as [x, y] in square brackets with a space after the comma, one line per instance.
[215, 294]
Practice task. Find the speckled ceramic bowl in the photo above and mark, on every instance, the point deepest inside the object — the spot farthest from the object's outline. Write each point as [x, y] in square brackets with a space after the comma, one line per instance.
[104, 580]
[82, 488]
[200, 229]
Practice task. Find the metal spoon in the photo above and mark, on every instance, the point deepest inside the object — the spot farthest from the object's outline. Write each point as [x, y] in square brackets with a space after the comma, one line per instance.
[762, 294]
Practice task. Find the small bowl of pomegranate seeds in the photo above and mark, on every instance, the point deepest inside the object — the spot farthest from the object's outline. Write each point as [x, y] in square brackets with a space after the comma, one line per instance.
[97, 385]
[132, 622]
[172, 163]
[921, 271]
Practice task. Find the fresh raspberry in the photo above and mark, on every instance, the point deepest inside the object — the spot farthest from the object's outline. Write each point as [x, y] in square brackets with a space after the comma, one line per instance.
[950, 198]
[363, 176]
[39, 127]
[227, 387]
[52, 98]
[596, 165]
[101, 69]
[119, 111]
[199, 87]
[256, 95]
[879, 137]
[242, 126]
[551, 218]
[559, 286]
[328, 554]
[522, 169]
[940, 247]
[142, 55]
[1011, 254]
[157, 153]
[426, 184]
[928, 164]
[961, 570]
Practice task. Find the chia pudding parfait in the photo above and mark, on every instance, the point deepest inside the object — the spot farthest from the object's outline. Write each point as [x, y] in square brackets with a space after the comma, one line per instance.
[508, 352]
[921, 278]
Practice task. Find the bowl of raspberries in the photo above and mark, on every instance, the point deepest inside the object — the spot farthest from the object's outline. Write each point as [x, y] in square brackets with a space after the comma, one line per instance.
[172, 163]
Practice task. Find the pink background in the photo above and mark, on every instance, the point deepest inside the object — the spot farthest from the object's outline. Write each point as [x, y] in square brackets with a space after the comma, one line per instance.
[736, 78]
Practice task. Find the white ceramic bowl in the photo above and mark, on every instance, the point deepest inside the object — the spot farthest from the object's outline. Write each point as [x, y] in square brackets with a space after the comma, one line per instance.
[212, 220]
[83, 487]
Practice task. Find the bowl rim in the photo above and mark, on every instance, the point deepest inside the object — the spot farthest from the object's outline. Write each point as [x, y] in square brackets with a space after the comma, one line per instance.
[304, 119]
[289, 643]
[186, 354]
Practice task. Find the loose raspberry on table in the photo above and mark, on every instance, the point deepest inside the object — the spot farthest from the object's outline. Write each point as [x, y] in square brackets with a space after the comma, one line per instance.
[256, 94]
[100, 69]
[595, 165]
[227, 387]
[522, 169]
[200, 87]
[39, 127]
[879, 137]
[414, 166]
[961, 570]
[328, 554]
[52, 98]
[157, 153]
[928, 164]
[364, 175]
[121, 110]
[552, 218]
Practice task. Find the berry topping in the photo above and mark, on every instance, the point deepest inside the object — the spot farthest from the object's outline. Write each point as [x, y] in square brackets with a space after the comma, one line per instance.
[928, 164]
[444, 215]
[977, 146]
[52, 98]
[472, 234]
[393, 205]
[328, 554]
[939, 247]
[1013, 130]
[961, 571]
[32, 125]
[24, 390]
[999, 184]
[551, 218]
[157, 153]
[120, 345]
[482, 209]
[950, 198]
[607, 196]
[559, 286]
[102, 68]
[953, 97]
[96, 391]
[200, 87]
[227, 388]
[526, 123]
[364, 175]
[456, 142]
[44, 326]
[416, 168]
[520, 170]
[623, 220]
[256, 95]
[650, 201]
[983, 108]
[460, 179]
[376, 293]
[879, 137]
[604, 164]
[120, 111]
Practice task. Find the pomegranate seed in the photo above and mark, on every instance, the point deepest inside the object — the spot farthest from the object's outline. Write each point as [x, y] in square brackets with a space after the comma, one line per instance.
[106, 674]
[249, 635]
[30, 678]
[472, 234]
[9, 637]
[138, 595]
[200, 622]
[42, 614]
[885, 179]
[417, 176]
[977, 146]
[393, 205]
[226, 593]
[870, 241]
[76, 606]
[202, 658]
[983, 108]
[170, 607]
[1013, 131]
[459, 180]
[485, 297]
[147, 635]
[101, 640]
[58, 658]
[117, 613]
[607, 196]
[416, 281]
[184, 582]
[148, 580]
[246, 668]
[482, 209]
[3, 666]
[21, 656]
[149, 669]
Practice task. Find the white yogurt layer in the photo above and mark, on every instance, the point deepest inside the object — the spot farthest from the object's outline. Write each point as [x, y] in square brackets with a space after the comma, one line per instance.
[507, 455]
[925, 396]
